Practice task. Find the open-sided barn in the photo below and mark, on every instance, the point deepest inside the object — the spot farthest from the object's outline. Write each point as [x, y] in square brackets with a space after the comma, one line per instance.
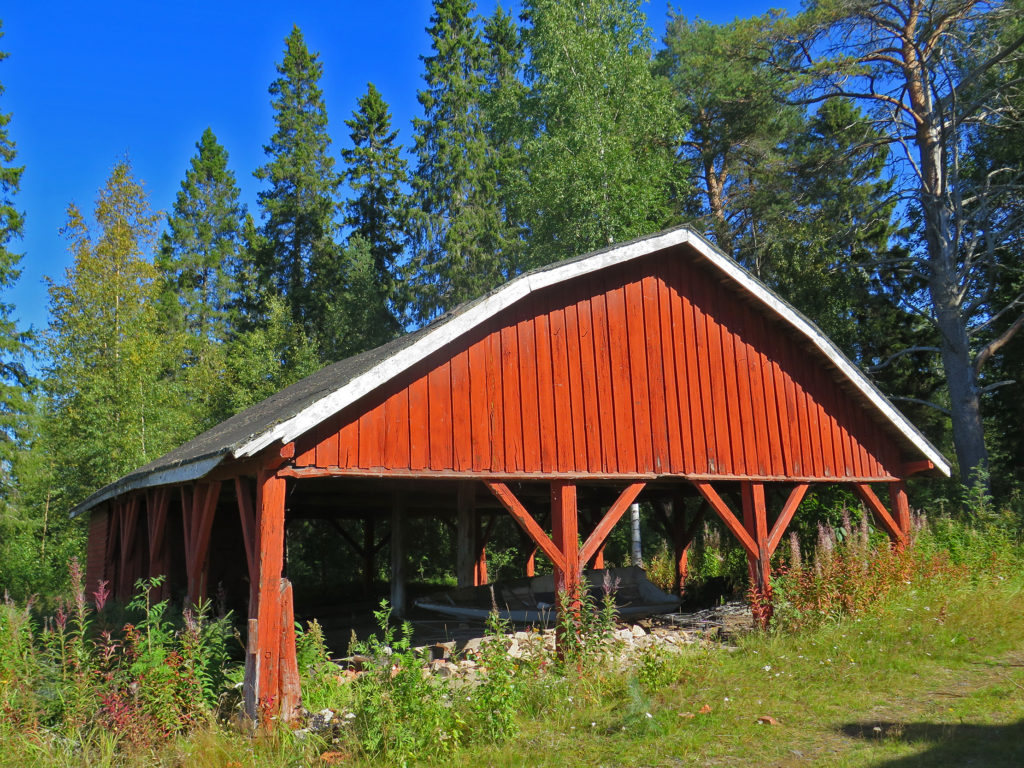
[646, 370]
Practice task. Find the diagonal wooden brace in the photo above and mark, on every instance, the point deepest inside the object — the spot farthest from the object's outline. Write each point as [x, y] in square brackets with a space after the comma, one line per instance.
[795, 497]
[727, 516]
[881, 514]
[520, 514]
[611, 517]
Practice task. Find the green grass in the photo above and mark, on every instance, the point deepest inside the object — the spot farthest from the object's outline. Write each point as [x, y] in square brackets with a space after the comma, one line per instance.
[938, 670]
[931, 673]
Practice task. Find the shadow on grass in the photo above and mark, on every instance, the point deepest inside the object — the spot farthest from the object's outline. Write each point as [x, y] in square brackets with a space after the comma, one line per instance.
[964, 744]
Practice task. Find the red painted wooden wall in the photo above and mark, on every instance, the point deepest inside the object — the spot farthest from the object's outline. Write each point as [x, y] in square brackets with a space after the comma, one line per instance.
[650, 368]
[96, 567]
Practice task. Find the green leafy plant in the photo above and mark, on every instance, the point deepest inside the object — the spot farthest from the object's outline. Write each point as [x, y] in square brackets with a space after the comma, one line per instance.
[402, 713]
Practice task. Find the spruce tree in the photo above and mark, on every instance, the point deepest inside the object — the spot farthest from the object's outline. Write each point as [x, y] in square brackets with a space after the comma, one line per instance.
[456, 216]
[375, 171]
[200, 248]
[599, 162]
[503, 94]
[299, 258]
[14, 343]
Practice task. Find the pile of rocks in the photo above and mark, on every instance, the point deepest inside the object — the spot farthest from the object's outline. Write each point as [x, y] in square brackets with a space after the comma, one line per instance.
[459, 664]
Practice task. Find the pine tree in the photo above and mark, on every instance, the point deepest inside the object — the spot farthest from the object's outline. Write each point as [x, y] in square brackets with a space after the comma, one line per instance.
[733, 102]
[456, 217]
[600, 158]
[299, 257]
[375, 171]
[112, 407]
[15, 381]
[201, 246]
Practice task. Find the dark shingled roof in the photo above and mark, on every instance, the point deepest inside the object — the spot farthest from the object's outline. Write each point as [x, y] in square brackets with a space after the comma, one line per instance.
[201, 454]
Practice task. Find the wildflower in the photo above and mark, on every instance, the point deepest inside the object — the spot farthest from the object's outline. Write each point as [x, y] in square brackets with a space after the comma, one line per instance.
[767, 667]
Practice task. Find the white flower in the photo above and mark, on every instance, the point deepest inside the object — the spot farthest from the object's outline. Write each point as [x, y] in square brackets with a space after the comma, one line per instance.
[767, 667]
[648, 714]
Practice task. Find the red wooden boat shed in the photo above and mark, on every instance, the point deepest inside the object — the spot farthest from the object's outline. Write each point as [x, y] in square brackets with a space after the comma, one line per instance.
[650, 369]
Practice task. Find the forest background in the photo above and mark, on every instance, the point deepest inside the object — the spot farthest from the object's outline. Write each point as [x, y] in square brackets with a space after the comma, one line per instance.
[863, 159]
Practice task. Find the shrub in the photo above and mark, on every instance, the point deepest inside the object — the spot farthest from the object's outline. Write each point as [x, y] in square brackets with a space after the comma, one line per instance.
[402, 713]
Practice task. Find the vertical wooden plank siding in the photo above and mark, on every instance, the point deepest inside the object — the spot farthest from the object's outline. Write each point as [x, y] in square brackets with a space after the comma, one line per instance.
[574, 384]
[96, 564]
[658, 368]
[548, 435]
[461, 408]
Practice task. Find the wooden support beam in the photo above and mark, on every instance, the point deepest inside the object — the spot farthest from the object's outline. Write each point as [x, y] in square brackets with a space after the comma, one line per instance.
[250, 535]
[755, 520]
[357, 548]
[112, 547]
[782, 521]
[466, 536]
[508, 499]
[682, 536]
[881, 514]
[727, 517]
[262, 684]
[129, 546]
[398, 554]
[531, 563]
[369, 553]
[198, 526]
[290, 696]
[565, 533]
[916, 467]
[595, 561]
[597, 537]
[158, 501]
[900, 508]
[482, 535]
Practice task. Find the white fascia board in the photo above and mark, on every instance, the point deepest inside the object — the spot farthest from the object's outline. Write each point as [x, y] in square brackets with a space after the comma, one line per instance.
[401, 361]
[181, 474]
[516, 289]
[854, 374]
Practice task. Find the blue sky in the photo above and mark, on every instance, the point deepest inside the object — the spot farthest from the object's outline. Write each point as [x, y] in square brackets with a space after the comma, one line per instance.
[88, 82]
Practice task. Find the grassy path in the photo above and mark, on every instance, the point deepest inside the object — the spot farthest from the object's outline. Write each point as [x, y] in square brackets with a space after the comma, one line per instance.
[931, 679]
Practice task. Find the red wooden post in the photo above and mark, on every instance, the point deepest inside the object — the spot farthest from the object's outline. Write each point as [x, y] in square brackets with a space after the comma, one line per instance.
[531, 563]
[369, 554]
[291, 684]
[398, 553]
[755, 520]
[900, 508]
[467, 535]
[250, 538]
[682, 537]
[262, 691]
[198, 513]
[128, 529]
[157, 503]
[565, 535]
[481, 535]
